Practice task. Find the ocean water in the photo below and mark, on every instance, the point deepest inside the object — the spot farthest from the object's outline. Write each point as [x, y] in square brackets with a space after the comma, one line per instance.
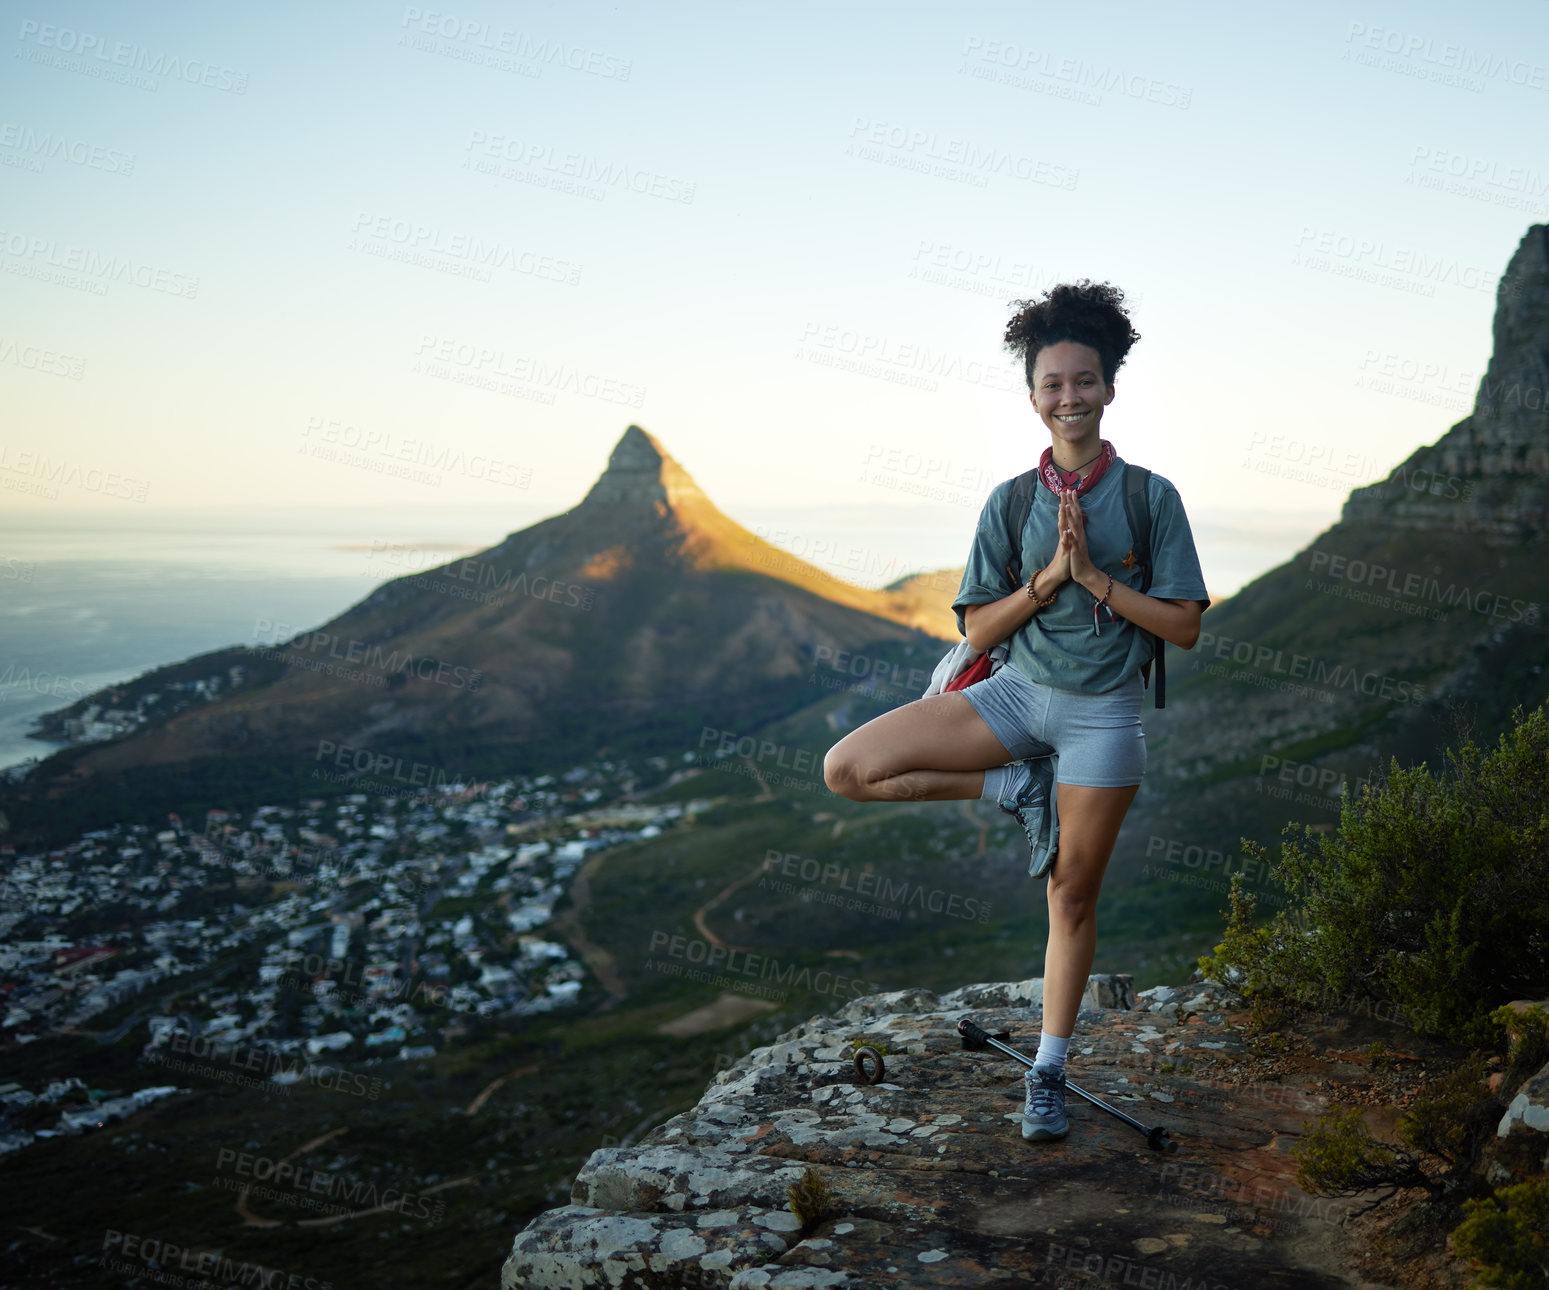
[88, 599]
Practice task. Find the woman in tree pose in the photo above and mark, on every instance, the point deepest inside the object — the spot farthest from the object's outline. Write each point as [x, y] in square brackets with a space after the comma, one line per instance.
[1069, 692]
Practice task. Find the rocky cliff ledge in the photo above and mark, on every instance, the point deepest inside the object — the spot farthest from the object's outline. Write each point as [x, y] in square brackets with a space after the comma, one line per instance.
[931, 1183]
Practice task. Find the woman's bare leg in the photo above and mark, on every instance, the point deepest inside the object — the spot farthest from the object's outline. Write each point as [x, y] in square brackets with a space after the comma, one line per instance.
[931, 750]
[1089, 826]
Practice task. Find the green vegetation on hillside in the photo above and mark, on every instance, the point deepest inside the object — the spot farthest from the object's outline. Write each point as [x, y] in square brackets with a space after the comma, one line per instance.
[1432, 898]
[1433, 895]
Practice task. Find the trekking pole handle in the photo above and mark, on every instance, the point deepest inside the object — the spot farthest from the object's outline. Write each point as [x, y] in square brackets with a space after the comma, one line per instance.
[974, 1034]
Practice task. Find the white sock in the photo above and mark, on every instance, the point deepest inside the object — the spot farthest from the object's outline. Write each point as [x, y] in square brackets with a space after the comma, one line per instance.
[1051, 1050]
[1003, 783]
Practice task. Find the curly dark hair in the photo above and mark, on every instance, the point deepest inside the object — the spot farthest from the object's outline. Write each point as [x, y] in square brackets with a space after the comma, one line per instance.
[1086, 312]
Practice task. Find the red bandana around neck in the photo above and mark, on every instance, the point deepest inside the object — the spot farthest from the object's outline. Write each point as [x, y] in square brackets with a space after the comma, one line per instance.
[1060, 481]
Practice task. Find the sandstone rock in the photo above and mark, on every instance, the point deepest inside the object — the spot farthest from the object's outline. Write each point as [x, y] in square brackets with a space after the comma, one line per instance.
[1529, 1109]
[1103, 990]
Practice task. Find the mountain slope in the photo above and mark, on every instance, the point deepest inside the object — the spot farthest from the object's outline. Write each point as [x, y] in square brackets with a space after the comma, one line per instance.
[1418, 619]
[638, 617]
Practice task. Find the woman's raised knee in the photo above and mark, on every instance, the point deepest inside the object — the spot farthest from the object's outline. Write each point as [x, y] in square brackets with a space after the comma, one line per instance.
[841, 773]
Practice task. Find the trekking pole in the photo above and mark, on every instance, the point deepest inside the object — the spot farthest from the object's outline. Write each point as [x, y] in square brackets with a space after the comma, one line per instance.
[976, 1039]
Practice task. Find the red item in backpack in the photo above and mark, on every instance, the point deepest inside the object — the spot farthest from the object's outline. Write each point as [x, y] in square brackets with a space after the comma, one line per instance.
[979, 670]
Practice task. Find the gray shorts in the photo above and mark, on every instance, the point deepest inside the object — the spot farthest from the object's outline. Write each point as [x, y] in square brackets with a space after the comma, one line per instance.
[1098, 737]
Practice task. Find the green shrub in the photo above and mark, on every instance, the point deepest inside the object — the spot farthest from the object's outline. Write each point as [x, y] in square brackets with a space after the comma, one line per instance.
[858, 1042]
[1454, 1117]
[1527, 1036]
[1450, 1122]
[1433, 895]
[810, 1199]
[1337, 1156]
[1507, 1236]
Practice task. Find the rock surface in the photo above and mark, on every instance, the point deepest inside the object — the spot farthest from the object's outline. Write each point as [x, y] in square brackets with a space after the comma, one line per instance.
[1529, 1109]
[931, 1182]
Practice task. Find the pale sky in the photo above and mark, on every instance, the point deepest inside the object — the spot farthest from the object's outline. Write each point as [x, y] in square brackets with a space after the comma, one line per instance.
[362, 255]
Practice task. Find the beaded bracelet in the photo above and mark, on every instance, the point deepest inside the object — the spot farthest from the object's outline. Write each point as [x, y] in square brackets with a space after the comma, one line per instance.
[1104, 603]
[1033, 595]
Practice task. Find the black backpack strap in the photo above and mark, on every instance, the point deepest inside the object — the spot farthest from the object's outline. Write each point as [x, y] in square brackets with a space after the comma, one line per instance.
[1137, 508]
[1019, 505]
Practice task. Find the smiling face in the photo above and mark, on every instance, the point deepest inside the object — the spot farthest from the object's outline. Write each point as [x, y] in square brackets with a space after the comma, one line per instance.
[1069, 395]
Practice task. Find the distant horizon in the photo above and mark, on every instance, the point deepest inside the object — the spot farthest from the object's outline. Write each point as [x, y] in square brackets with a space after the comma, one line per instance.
[843, 541]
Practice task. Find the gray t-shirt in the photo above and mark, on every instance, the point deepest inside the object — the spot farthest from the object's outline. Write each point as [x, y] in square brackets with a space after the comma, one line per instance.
[1057, 646]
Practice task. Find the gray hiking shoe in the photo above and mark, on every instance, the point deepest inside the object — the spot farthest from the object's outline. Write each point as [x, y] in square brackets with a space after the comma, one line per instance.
[1043, 1114]
[1033, 808]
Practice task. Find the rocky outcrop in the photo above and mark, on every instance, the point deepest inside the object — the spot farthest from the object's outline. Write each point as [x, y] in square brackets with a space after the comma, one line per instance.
[1490, 471]
[930, 1181]
[1522, 1136]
